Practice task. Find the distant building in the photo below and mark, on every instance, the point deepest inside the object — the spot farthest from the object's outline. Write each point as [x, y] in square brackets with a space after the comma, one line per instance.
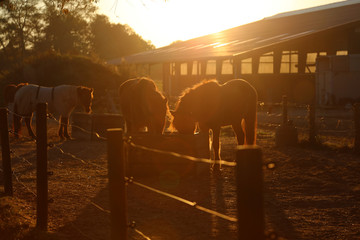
[338, 80]
[277, 54]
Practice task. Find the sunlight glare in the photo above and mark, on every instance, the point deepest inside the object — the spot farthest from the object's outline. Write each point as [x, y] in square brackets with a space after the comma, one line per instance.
[164, 22]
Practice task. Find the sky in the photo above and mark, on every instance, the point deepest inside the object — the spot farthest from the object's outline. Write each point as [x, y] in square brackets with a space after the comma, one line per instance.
[165, 21]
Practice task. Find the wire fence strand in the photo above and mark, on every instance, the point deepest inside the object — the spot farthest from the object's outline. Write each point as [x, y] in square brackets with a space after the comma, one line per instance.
[190, 203]
[186, 157]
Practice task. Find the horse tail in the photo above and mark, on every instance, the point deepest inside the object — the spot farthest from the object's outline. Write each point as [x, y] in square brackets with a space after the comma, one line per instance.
[249, 124]
[10, 90]
[9, 93]
[16, 121]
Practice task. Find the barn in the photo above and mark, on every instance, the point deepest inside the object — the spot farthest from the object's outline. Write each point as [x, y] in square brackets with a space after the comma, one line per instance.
[277, 54]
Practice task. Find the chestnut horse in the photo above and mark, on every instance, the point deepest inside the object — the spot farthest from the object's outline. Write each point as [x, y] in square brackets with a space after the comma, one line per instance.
[210, 105]
[143, 105]
[61, 100]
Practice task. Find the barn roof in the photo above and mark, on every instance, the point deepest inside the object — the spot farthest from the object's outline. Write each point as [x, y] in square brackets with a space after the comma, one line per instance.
[252, 36]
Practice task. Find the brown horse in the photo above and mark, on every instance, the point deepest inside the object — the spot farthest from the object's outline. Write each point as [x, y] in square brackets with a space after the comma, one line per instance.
[211, 105]
[61, 100]
[143, 105]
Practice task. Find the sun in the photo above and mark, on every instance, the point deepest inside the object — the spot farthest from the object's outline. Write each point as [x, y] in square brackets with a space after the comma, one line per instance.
[164, 22]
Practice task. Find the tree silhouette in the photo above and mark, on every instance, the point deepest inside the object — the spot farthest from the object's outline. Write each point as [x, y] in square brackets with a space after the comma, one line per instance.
[114, 40]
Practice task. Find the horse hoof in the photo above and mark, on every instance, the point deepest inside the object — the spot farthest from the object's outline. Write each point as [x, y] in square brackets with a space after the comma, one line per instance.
[216, 169]
[68, 138]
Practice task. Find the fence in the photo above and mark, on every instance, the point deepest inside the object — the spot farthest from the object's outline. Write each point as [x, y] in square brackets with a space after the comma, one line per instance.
[334, 125]
[249, 181]
[249, 170]
[340, 124]
[40, 166]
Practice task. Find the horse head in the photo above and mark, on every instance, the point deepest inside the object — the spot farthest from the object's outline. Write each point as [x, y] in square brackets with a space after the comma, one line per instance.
[85, 96]
[184, 122]
[159, 112]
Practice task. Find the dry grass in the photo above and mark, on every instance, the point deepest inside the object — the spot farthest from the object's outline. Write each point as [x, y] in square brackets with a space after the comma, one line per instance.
[310, 193]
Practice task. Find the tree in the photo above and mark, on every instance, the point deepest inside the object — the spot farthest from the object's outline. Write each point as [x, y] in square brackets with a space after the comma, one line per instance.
[68, 31]
[31, 27]
[20, 28]
[114, 40]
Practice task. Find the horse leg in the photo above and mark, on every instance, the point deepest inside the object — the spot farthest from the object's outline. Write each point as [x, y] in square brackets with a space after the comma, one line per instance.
[61, 128]
[65, 124]
[216, 146]
[239, 133]
[16, 122]
[28, 126]
[63, 131]
[129, 127]
[250, 126]
[16, 125]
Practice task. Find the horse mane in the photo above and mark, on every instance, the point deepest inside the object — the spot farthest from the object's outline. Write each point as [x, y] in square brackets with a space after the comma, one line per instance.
[144, 83]
[147, 82]
[197, 85]
[188, 92]
[144, 88]
[83, 89]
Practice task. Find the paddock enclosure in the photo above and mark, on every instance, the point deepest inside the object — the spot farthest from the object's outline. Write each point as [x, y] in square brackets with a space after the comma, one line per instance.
[309, 192]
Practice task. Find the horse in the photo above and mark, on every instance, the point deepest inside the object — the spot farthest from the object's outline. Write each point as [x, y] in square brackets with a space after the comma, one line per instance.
[210, 105]
[143, 106]
[9, 94]
[61, 100]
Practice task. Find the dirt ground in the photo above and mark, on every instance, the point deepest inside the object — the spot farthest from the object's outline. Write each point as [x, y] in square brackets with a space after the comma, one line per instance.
[309, 193]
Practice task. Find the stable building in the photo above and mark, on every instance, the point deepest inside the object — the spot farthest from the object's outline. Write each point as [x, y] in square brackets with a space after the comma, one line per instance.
[277, 54]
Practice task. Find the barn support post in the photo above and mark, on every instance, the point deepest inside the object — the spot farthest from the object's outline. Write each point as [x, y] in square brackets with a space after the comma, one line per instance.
[237, 67]
[117, 187]
[249, 181]
[356, 109]
[5, 151]
[219, 66]
[277, 61]
[255, 64]
[41, 167]
[285, 110]
[312, 127]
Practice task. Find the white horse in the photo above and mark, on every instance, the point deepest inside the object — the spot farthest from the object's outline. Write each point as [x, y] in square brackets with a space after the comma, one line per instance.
[61, 100]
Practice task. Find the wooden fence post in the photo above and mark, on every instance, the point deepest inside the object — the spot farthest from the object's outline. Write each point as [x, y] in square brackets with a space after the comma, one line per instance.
[117, 187]
[249, 181]
[41, 167]
[5, 151]
[356, 109]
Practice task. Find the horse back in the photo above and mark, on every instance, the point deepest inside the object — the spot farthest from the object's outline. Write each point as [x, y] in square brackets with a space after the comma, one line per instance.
[25, 99]
[135, 95]
[141, 102]
[239, 101]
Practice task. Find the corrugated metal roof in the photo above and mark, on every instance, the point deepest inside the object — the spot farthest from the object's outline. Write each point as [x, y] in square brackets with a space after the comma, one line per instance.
[269, 31]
